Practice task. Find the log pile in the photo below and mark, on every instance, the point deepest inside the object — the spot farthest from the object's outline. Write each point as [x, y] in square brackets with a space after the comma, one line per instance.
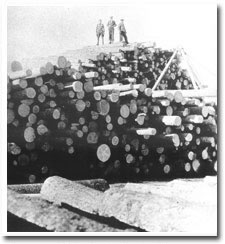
[102, 119]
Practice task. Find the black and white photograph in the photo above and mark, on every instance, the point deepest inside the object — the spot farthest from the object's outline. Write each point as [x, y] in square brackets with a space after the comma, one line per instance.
[111, 119]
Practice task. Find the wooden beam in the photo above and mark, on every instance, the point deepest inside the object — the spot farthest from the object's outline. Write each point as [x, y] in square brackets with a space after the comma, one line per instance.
[187, 93]
[190, 72]
[164, 71]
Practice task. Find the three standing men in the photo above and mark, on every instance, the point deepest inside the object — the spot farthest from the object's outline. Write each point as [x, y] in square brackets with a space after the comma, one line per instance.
[100, 31]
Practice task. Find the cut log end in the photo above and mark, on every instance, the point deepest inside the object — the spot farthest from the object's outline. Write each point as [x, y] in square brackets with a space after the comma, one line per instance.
[10, 116]
[124, 111]
[103, 153]
[23, 110]
[62, 62]
[29, 134]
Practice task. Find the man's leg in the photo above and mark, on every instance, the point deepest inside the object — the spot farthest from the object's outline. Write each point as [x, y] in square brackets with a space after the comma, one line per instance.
[102, 39]
[112, 34]
[98, 40]
[125, 36]
[121, 37]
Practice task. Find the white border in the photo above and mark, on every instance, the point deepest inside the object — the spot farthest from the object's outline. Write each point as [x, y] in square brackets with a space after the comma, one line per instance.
[3, 122]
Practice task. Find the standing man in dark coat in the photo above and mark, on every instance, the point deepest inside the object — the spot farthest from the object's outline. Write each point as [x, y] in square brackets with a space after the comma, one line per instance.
[111, 25]
[123, 31]
[100, 31]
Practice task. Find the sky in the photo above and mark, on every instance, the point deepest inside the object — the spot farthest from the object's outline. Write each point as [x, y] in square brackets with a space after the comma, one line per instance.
[50, 30]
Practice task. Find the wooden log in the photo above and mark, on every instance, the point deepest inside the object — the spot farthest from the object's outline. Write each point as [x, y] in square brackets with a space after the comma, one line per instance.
[130, 80]
[145, 131]
[130, 159]
[44, 89]
[140, 119]
[19, 84]
[178, 97]
[67, 94]
[80, 95]
[166, 169]
[16, 66]
[51, 82]
[32, 118]
[103, 153]
[42, 130]
[62, 62]
[49, 68]
[192, 102]
[19, 74]
[88, 86]
[140, 209]
[195, 119]
[107, 87]
[35, 109]
[89, 75]
[41, 98]
[26, 93]
[113, 138]
[208, 130]
[134, 93]
[120, 87]
[38, 81]
[167, 110]
[205, 153]
[133, 107]
[170, 120]
[114, 96]
[16, 123]
[161, 102]
[187, 167]
[187, 127]
[80, 105]
[196, 165]
[167, 140]
[186, 137]
[103, 107]
[124, 111]
[199, 110]
[29, 134]
[13, 148]
[44, 214]
[92, 137]
[155, 109]
[76, 85]
[10, 116]
[50, 113]
[183, 112]
[208, 140]
[187, 93]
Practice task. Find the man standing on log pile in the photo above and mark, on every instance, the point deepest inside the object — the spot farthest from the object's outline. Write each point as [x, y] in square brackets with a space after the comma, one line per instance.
[123, 31]
[100, 31]
[111, 25]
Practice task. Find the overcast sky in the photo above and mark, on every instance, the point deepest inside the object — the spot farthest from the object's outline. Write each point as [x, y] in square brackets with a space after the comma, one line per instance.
[42, 31]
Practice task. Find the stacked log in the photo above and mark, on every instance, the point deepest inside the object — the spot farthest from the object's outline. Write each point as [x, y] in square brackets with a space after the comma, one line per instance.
[101, 118]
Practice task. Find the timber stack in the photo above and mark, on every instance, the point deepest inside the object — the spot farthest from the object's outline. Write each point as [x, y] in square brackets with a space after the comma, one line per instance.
[131, 115]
